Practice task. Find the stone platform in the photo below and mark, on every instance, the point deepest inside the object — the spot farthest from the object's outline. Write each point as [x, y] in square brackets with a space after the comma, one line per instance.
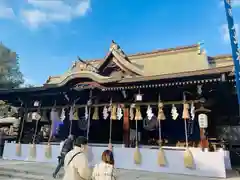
[20, 170]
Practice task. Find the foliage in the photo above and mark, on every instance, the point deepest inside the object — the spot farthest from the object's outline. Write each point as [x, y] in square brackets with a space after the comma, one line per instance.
[10, 75]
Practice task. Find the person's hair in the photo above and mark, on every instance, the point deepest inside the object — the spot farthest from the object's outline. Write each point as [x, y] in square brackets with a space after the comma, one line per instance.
[80, 140]
[107, 157]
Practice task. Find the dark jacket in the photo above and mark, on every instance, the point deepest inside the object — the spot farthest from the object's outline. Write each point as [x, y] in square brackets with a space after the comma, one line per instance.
[2, 138]
[67, 146]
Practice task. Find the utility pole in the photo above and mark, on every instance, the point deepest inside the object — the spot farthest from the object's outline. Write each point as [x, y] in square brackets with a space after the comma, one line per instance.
[234, 45]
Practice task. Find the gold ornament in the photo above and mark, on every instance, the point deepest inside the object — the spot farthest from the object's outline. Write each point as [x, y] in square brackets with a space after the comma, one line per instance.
[161, 115]
[114, 112]
[75, 114]
[138, 115]
[185, 114]
[96, 114]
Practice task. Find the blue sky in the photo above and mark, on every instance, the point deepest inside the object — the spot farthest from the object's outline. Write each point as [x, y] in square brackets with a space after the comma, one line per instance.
[49, 34]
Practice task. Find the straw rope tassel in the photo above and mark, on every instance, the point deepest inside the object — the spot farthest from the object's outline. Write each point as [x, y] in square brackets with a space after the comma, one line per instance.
[138, 114]
[18, 145]
[161, 115]
[89, 103]
[96, 114]
[48, 148]
[33, 150]
[70, 127]
[113, 112]
[137, 154]
[88, 122]
[110, 136]
[110, 147]
[161, 155]
[188, 157]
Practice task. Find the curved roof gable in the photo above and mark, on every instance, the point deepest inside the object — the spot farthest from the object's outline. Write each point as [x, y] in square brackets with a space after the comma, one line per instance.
[117, 58]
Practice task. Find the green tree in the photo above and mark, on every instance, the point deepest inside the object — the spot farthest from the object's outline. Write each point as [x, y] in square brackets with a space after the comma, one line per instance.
[10, 75]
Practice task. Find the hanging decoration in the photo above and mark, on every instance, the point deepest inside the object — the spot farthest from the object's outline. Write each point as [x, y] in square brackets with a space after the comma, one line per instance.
[199, 89]
[113, 115]
[75, 114]
[63, 116]
[137, 154]
[188, 157]
[131, 113]
[149, 113]
[113, 112]
[192, 111]
[161, 115]
[138, 114]
[86, 112]
[105, 113]
[191, 120]
[89, 108]
[161, 155]
[23, 114]
[35, 116]
[126, 126]
[48, 149]
[53, 117]
[119, 113]
[174, 112]
[95, 114]
[71, 117]
[185, 114]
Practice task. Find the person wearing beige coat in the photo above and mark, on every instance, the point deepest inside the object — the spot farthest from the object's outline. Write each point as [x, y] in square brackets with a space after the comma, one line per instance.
[76, 162]
[105, 169]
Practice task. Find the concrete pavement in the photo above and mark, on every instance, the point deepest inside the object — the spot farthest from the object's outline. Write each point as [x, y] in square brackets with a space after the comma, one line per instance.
[19, 170]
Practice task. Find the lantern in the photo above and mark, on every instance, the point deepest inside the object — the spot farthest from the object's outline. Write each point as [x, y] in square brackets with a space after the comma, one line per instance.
[203, 120]
[36, 103]
[138, 97]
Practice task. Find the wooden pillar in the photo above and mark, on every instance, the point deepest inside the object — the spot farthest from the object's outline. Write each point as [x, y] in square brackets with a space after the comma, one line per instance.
[126, 127]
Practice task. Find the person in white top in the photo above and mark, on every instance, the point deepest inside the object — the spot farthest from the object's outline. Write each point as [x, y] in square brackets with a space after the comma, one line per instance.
[105, 169]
